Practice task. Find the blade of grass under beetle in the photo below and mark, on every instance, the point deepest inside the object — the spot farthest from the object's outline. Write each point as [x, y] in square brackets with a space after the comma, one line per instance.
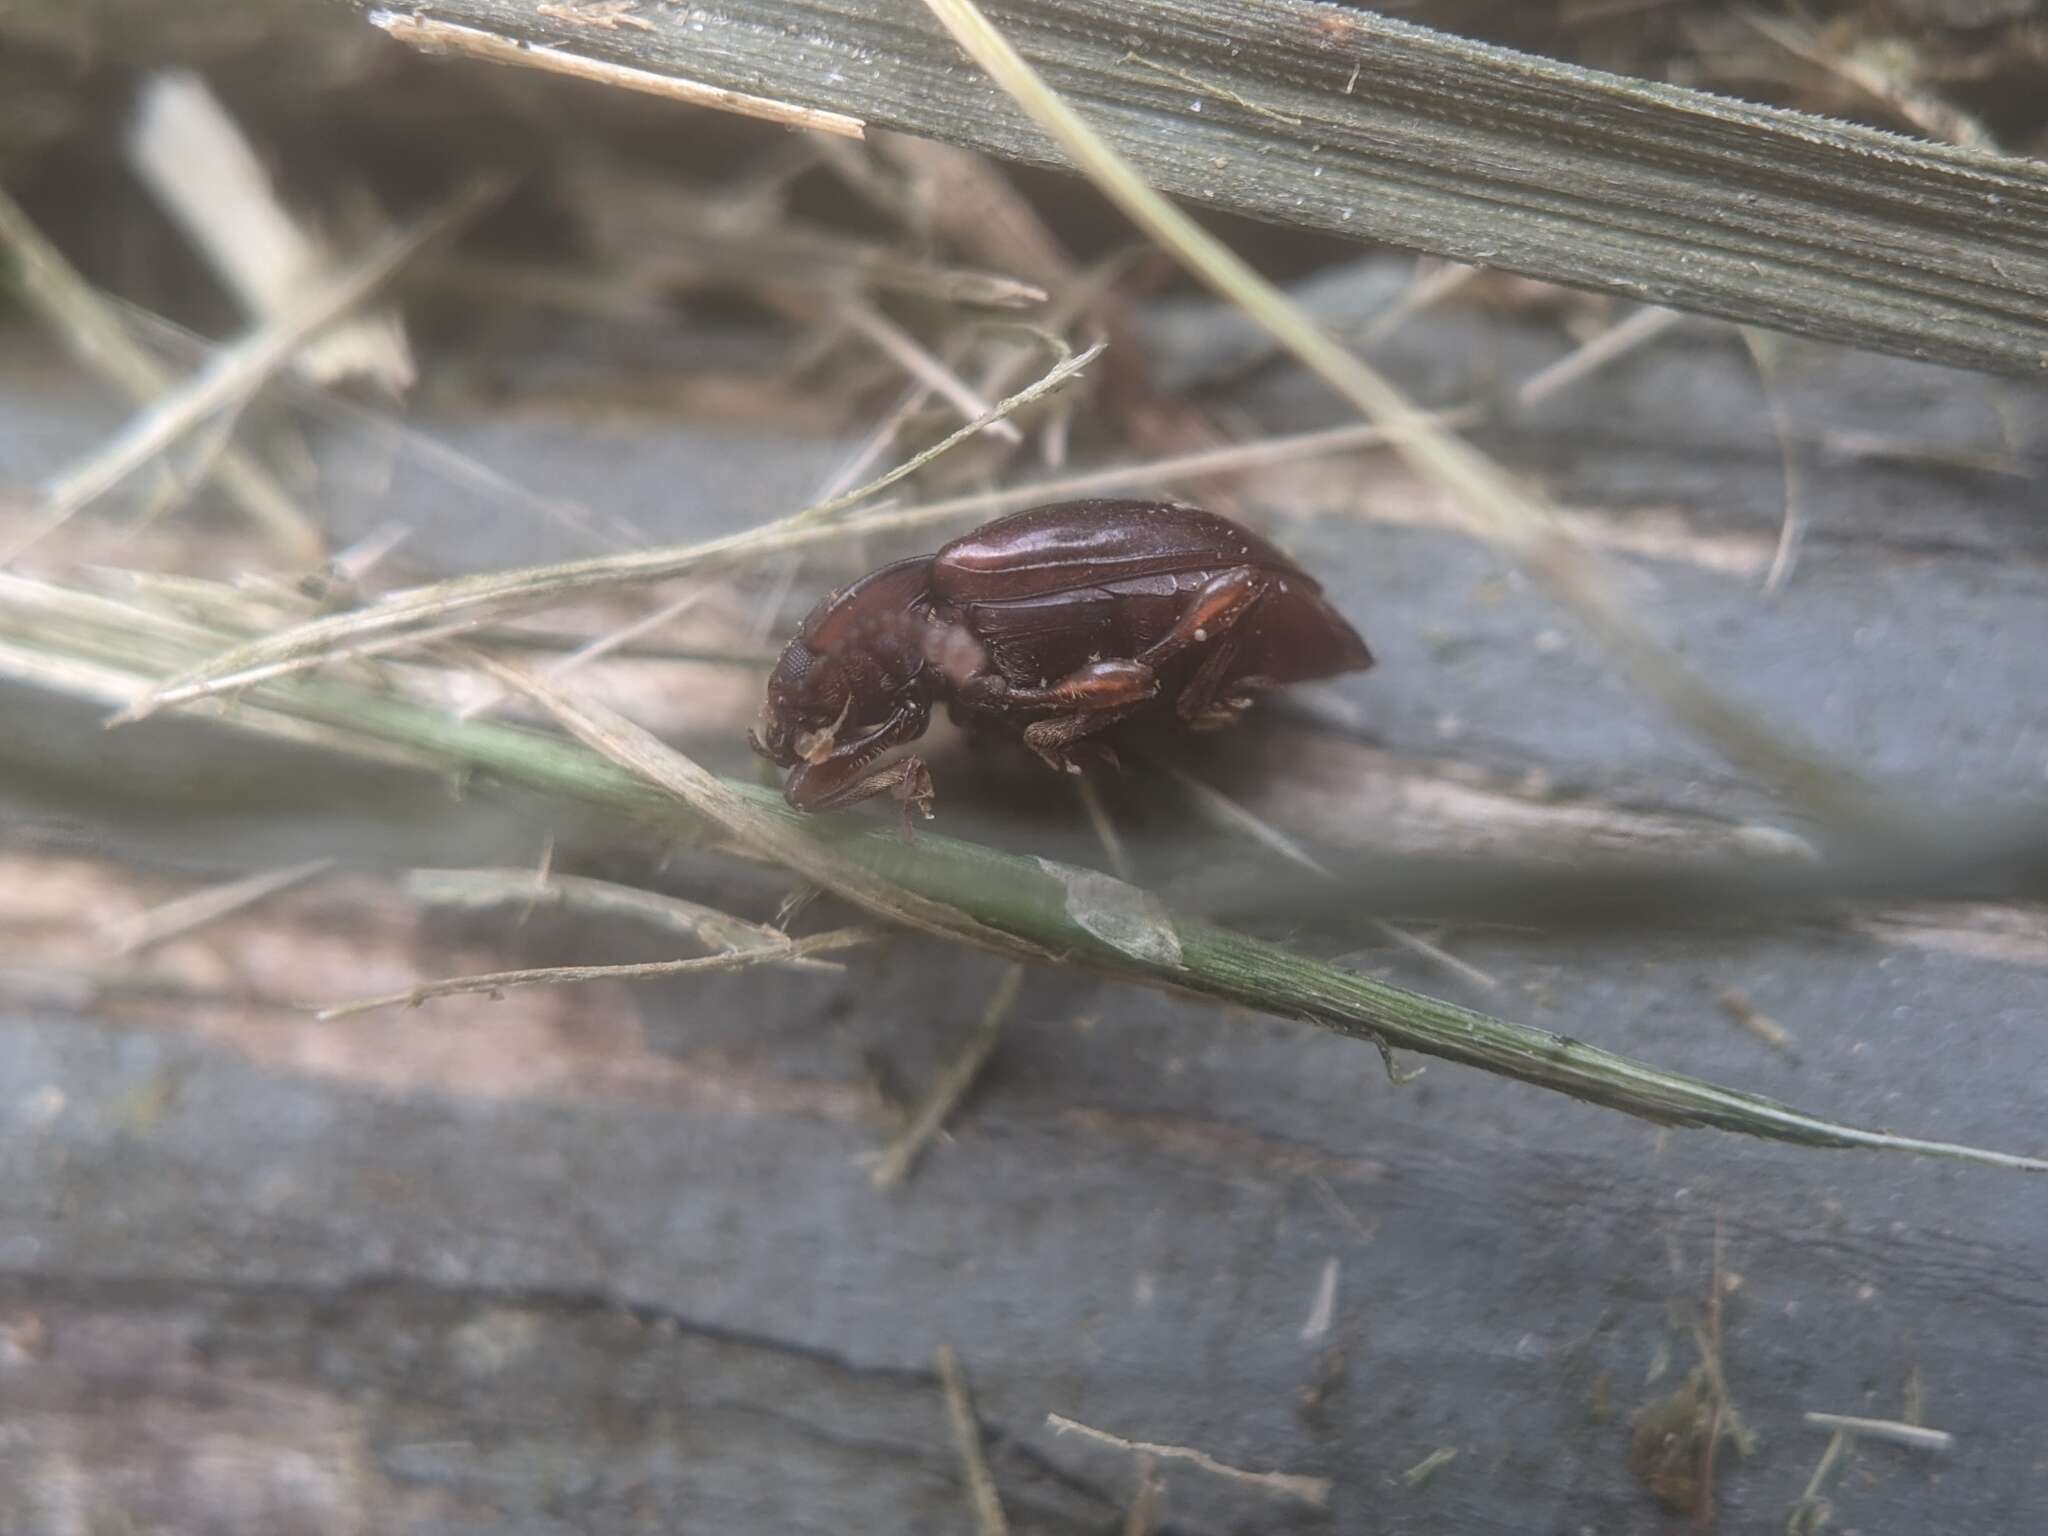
[1088, 919]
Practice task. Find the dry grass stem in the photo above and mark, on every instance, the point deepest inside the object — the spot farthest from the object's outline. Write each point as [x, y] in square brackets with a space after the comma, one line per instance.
[1226, 813]
[191, 154]
[1763, 349]
[431, 36]
[460, 467]
[1767, 1029]
[949, 1088]
[237, 370]
[1810, 1512]
[566, 975]
[1853, 444]
[1322, 1311]
[878, 442]
[113, 688]
[311, 645]
[1148, 1502]
[185, 913]
[1438, 956]
[1090, 795]
[593, 650]
[308, 645]
[1885, 83]
[1429, 289]
[1722, 1413]
[1313, 1491]
[1065, 368]
[482, 888]
[95, 333]
[903, 349]
[1490, 502]
[1427, 1468]
[1895, 1431]
[981, 1484]
[1583, 361]
[626, 744]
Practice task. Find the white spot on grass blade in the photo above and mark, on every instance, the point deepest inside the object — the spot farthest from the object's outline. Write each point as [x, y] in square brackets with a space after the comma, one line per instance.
[1322, 1311]
[1128, 920]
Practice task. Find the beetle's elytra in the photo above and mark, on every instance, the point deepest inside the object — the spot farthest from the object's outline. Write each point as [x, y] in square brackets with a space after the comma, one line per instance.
[1050, 625]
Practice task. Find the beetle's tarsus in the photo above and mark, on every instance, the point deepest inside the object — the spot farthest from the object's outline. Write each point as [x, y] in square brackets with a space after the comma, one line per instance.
[913, 788]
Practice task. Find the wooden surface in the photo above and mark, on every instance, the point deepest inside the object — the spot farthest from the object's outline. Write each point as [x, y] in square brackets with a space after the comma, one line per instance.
[608, 1260]
[1336, 119]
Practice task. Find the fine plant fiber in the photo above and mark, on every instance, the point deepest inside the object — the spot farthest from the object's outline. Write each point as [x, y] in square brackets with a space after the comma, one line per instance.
[499, 592]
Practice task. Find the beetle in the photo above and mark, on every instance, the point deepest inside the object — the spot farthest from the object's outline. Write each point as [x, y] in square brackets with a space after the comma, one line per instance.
[1049, 625]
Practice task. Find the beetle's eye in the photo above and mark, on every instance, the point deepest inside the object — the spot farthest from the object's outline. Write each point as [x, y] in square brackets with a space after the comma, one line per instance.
[795, 665]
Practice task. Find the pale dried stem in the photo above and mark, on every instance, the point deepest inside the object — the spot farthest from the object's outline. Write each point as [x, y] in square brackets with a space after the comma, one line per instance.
[1895, 1431]
[1314, 1491]
[309, 644]
[188, 150]
[474, 42]
[626, 744]
[94, 331]
[1425, 293]
[910, 355]
[236, 371]
[981, 1484]
[1222, 811]
[949, 1088]
[567, 975]
[1616, 341]
[601, 898]
[184, 914]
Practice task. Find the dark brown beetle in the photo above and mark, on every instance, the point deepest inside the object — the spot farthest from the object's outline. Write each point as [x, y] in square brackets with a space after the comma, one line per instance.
[1050, 624]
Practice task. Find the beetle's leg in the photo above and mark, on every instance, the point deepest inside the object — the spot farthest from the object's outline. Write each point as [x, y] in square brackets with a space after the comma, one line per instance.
[907, 779]
[1099, 685]
[836, 781]
[1215, 696]
[1051, 738]
[1217, 605]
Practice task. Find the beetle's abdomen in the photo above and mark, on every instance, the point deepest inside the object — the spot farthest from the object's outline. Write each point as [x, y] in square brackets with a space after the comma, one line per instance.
[1295, 636]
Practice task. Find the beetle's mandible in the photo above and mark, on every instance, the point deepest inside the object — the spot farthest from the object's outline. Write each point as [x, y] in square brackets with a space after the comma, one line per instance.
[1049, 625]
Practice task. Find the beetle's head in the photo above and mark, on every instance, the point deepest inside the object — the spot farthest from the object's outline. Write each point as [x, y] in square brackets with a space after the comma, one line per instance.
[809, 697]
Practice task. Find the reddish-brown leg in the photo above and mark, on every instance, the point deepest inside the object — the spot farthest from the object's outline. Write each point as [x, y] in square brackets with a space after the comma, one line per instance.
[836, 780]
[1214, 610]
[907, 779]
[1213, 697]
[1103, 692]
[1098, 685]
[1051, 738]
[1092, 697]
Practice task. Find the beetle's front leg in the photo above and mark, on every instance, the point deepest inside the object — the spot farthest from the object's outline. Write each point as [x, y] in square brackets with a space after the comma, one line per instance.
[907, 779]
[836, 779]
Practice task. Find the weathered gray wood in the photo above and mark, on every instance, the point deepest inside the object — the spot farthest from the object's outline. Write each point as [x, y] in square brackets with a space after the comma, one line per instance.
[608, 1261]
[1335, 119]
